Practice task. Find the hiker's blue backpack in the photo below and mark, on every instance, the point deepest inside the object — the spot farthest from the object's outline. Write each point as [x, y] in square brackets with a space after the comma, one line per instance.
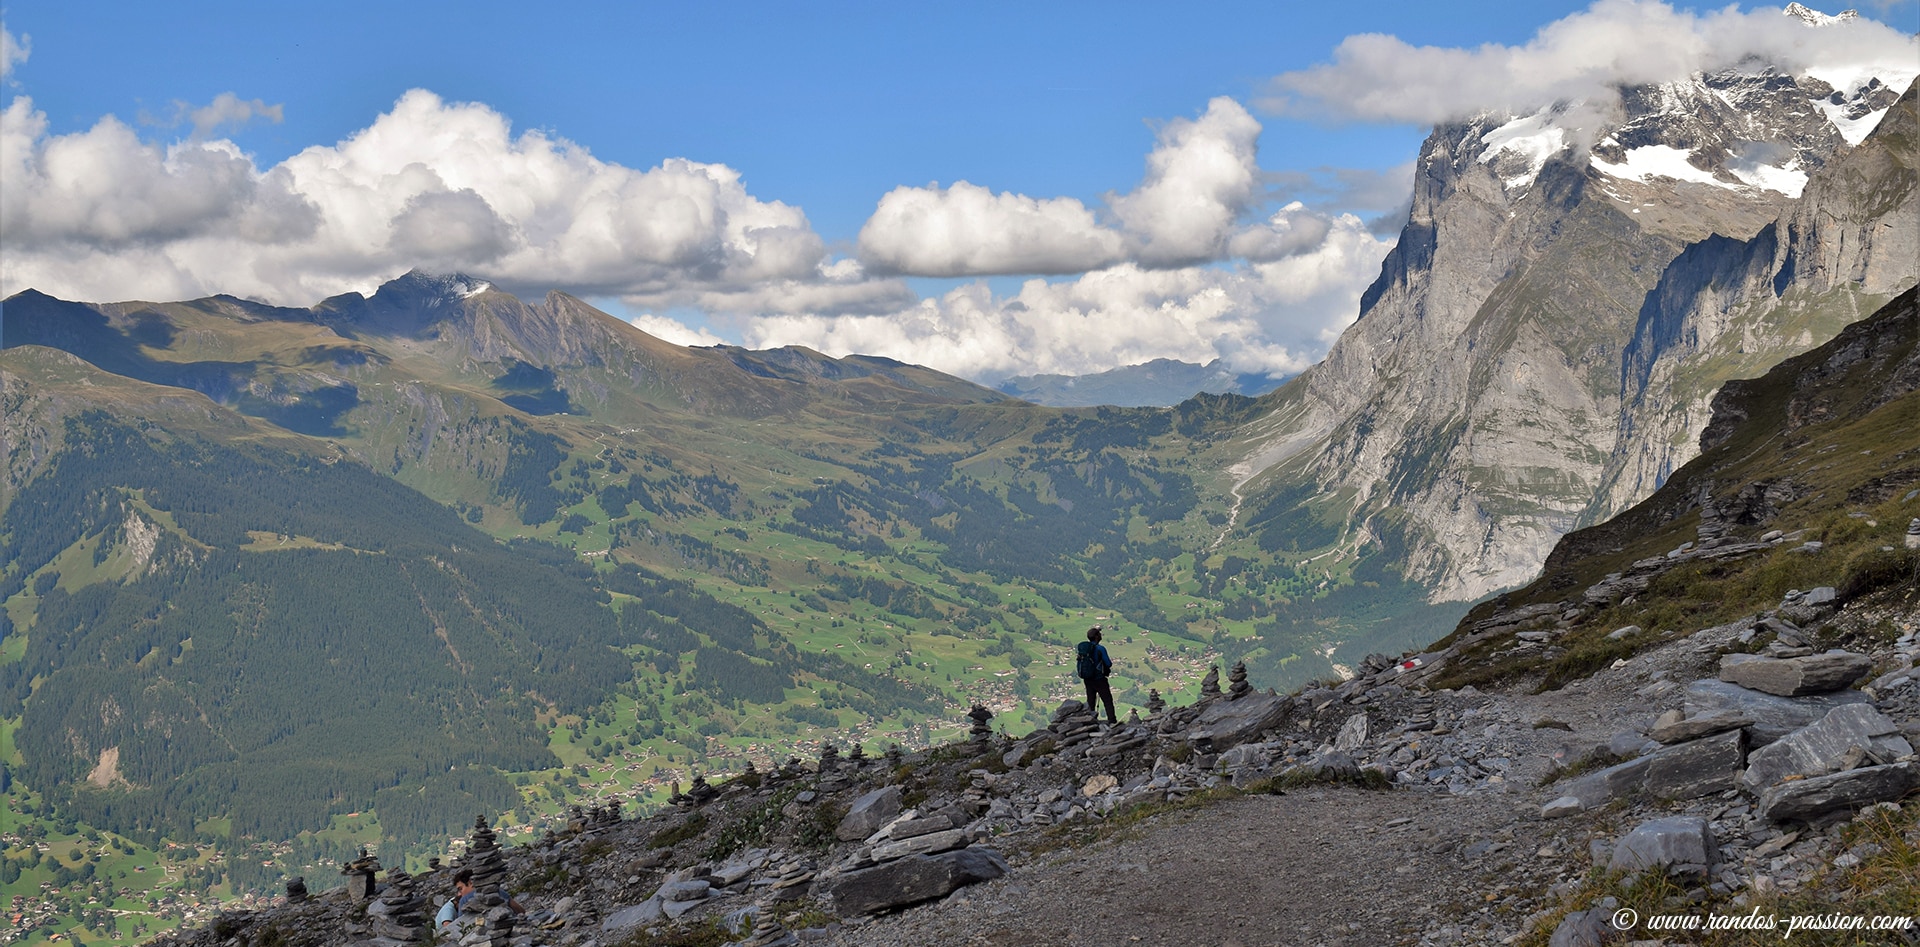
[1086, 664]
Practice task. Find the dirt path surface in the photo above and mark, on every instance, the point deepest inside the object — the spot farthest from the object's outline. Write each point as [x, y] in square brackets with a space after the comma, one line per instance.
[1318, 866]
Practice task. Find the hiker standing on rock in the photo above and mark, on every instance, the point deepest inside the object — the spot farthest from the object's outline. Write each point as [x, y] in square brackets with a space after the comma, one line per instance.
[1092, 666]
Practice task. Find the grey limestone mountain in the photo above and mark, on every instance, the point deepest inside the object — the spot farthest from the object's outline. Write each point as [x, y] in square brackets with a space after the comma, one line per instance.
[1571, 287]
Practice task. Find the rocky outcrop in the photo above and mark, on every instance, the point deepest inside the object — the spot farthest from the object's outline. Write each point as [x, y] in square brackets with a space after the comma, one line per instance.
[1534, 355]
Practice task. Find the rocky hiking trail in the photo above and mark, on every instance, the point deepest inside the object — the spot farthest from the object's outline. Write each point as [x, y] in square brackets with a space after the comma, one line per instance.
[1731, 767]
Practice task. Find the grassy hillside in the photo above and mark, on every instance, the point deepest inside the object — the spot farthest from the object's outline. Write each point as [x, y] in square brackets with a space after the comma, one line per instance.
[374, 571]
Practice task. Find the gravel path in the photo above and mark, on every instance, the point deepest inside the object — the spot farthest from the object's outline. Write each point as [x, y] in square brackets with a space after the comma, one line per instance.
[1318, 866]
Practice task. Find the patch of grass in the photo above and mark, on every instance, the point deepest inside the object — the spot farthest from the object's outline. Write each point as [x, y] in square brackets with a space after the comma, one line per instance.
[1301, 776]
[1584, 659]
[708, 932]
[817, 827]
[808, 914]
[675, 834]
[753, 828]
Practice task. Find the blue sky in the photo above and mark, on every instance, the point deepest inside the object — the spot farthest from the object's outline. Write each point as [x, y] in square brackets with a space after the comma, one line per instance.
[798, 120]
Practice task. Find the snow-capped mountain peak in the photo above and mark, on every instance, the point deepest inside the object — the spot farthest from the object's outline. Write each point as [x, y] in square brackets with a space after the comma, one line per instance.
[1813, 17]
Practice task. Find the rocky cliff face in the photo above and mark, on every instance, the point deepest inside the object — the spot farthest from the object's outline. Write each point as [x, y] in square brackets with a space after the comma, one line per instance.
[1530, 359]
[1728, 308]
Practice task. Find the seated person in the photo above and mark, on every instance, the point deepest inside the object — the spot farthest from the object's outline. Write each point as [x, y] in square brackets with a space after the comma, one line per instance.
[464, 892]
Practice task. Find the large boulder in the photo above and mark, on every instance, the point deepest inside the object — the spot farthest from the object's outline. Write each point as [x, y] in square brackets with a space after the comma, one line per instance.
[1773, 717]
[1233, 722]
[1794, 677]
[1825, 745]
[1681, 843]
[911, 880]
[1807, 800]
[1682, 771]
[1696, 768]
[868, 813]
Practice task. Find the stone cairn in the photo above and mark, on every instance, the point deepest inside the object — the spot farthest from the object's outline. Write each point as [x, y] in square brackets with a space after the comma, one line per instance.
[400, 914]
[1913, 534]
[1156, 704]
[1133, 716]
[1210, 685]
[767, 931]
[484, 859]
[979, 792]
[701, 792]
[1237, 686]
[896, 757]
[360, 872]
[832, 767]
[1073, 723]
[500, 927]
[792, 768]
[433, 864]
[981, 731]
[792, 884]
[858, 756]
[577, 819]
[297, 889]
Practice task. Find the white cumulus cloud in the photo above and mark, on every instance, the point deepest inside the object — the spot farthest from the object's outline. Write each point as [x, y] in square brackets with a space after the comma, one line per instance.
[101, 214]
[675, 331]
[1200, 177]
[1586, 55]
[967, 230]
[1277, 316]
[229, 110]
[13, 50]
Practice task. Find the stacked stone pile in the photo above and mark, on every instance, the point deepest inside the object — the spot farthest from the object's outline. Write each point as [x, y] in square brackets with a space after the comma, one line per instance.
[400, 916]
[484, 859]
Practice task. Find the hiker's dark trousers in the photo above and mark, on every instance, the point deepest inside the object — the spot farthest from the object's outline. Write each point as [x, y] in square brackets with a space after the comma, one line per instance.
[1098, 687]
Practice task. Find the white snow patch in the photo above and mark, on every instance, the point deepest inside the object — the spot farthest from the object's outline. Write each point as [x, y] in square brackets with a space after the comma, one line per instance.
[1659, 161]
[1789, 180]
[1533, 138]
[1849, 79]
[475, 289]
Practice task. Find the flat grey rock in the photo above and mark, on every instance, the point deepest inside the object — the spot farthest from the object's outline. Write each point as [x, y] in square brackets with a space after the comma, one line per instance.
[1682, 771]
[1588, 928]
[1682, 842]
[1675, 726]
[1353, 734]
[1773, 717]
[1807, 800]
[920, 845]
[868, 813]
[1232, 722]
[1795, 677]
[911, 880]
[1697, 768]
[646, 912]
[1821, 747]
